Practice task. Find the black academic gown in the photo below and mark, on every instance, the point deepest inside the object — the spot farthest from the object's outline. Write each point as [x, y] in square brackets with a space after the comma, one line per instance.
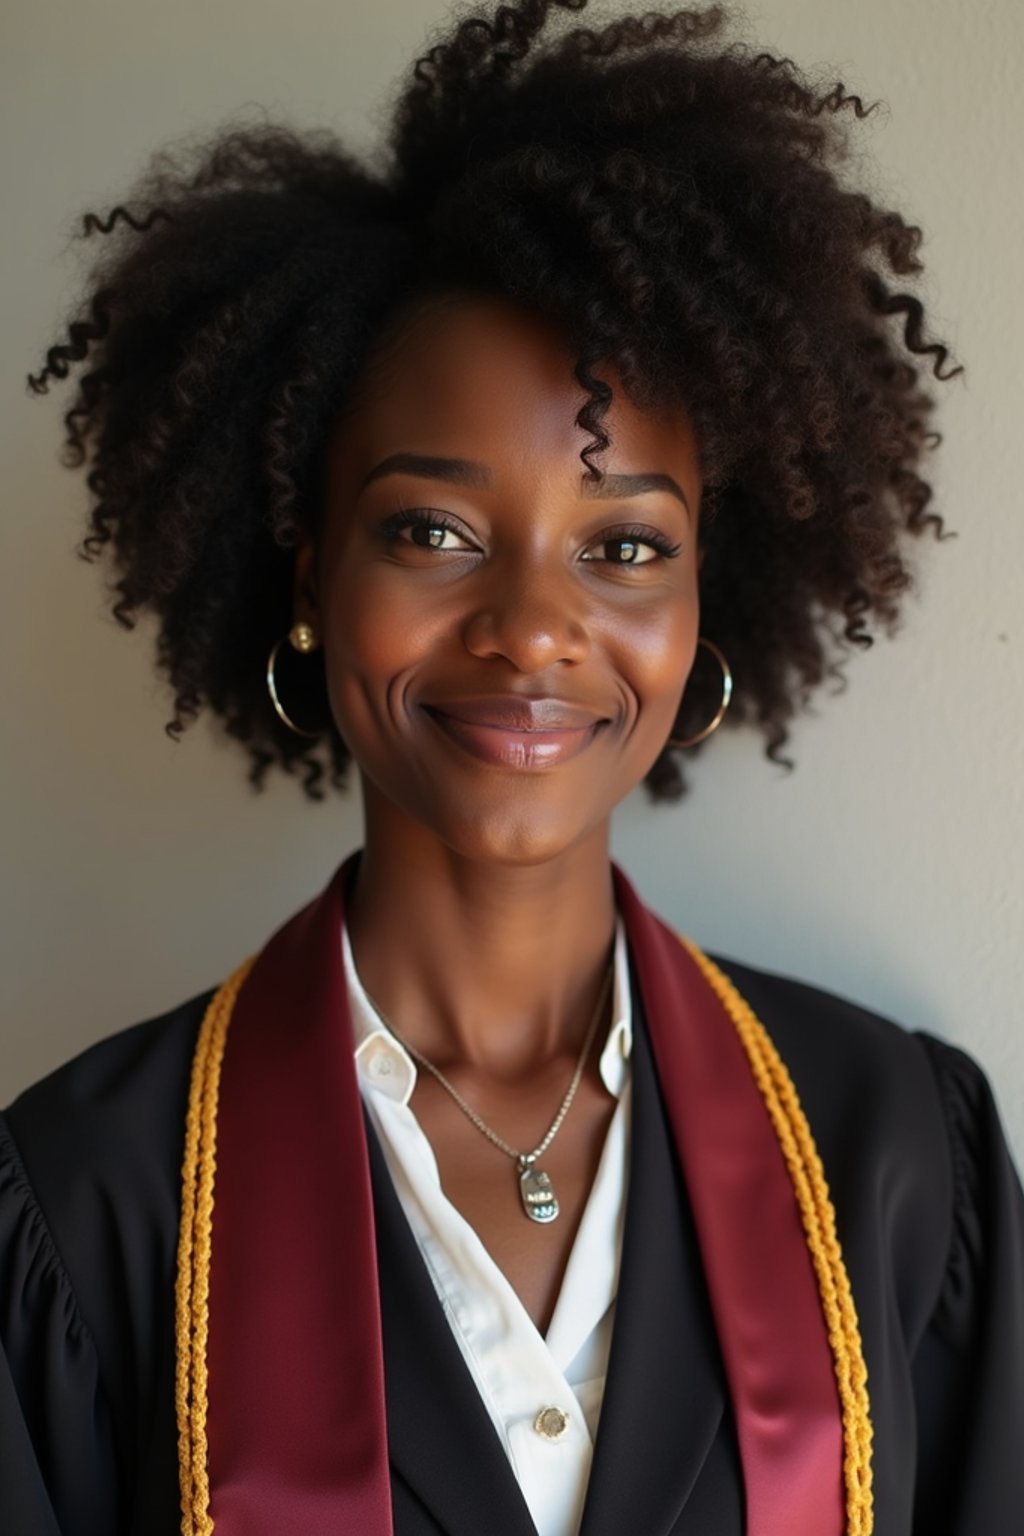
[930, 1215]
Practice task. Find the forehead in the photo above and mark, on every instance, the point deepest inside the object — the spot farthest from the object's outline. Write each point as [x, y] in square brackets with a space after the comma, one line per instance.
[482, 378]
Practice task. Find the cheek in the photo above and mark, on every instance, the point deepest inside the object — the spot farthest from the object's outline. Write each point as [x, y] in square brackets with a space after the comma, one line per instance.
[655, 655]
[374, 639]
[366, 635]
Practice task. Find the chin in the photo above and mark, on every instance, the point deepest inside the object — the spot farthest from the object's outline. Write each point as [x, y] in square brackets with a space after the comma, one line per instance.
[500, 820]
[513, 836]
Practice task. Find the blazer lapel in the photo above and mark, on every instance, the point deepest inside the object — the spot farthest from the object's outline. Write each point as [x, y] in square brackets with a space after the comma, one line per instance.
[665, 1391]
[441, 1440]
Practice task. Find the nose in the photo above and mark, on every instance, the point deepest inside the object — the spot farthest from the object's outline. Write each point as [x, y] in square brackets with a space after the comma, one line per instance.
[529, 616]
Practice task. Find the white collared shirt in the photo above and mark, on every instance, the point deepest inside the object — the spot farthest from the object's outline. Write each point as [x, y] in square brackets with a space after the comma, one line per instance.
[517, 1371]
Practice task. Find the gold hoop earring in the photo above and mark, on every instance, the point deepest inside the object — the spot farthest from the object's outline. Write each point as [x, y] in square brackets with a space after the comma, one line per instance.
[691, 741]
[302, 639]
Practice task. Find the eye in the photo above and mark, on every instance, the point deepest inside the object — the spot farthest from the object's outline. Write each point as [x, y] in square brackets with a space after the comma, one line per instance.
[633, 546]
[431, 535]
[629, 552]
[428, 529]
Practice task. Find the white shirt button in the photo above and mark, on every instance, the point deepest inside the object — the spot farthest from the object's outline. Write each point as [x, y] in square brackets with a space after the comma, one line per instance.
[552, 1423]
[381, 1065]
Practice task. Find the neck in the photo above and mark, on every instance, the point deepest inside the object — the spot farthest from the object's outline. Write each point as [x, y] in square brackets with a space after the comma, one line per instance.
[495, 966]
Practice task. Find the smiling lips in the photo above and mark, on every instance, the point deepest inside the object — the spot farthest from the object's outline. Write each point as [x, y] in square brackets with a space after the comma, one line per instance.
[509, 731]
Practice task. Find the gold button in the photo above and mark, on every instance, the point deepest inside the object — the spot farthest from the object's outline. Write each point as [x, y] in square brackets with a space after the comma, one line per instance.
[552, 1423]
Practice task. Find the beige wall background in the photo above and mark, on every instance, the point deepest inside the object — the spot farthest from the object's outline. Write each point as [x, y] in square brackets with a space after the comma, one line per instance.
[888, 867]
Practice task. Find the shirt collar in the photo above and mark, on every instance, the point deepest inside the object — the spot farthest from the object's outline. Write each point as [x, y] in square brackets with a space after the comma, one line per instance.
[385, 1065]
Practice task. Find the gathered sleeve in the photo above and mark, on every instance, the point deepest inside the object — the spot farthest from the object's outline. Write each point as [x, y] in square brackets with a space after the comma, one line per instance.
[56, 1449]
[969, 1364]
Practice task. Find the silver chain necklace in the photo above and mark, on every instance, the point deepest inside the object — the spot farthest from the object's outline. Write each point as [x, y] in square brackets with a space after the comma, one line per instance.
[535, 1188]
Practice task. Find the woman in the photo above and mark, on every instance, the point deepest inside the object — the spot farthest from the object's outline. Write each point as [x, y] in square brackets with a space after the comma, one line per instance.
[478, 1200]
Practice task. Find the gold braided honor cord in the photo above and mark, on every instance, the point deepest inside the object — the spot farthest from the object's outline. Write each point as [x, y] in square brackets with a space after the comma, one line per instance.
[819, 1221]
[192, 1290]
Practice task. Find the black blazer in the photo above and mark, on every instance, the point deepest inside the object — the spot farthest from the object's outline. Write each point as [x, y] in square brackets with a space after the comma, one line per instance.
[930, 1215]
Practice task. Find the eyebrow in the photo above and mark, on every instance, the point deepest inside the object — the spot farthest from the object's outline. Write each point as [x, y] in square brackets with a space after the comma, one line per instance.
[611, 487]
[478, 477]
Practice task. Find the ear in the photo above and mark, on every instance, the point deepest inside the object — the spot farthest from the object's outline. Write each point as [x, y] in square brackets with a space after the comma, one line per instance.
[305, 595]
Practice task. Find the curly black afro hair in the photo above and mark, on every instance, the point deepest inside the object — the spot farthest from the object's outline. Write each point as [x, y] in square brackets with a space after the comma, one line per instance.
[672, 199]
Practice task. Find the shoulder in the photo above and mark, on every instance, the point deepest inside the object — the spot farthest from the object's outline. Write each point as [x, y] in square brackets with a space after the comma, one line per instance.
[95, 1147]
[90, 1160]
[113, 1095]
[859, 1073]
[834, 1043]
[885, 1075]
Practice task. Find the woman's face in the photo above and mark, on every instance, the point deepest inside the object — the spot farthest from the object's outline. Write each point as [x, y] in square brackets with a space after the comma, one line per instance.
[506, 645]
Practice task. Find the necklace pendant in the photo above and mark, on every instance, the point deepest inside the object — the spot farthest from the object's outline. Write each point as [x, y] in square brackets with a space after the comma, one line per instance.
[537, 1195]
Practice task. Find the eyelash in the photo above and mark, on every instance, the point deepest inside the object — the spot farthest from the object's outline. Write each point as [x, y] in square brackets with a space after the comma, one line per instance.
[423, 517]
[640, 535]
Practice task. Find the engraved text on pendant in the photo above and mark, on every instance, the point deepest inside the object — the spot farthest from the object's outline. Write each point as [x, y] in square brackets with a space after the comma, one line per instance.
[537, 1195]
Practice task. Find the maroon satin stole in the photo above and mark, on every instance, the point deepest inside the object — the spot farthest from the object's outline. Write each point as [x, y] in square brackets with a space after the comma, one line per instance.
[297, 1435]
